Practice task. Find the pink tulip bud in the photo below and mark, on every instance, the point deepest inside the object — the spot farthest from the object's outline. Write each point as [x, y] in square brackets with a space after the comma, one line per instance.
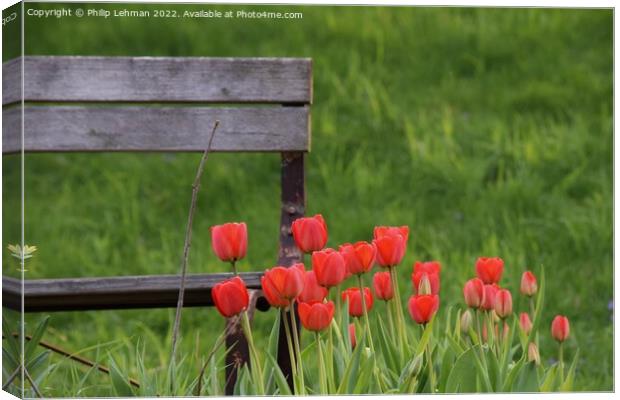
[529, 287]
[560, 328]
[525, 323]
[503, 303]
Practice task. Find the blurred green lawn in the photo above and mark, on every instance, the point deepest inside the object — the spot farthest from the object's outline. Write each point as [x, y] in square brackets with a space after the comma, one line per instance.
[487, 131]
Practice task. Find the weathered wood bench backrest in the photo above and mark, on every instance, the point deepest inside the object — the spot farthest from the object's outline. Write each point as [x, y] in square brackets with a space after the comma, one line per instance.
[146, 104]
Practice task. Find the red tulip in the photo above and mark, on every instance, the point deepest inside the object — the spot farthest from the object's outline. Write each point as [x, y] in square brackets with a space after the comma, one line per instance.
[355, 300]
[433, 279]
[352, 335]
[423, 307]
[503, 303]
[230, 296]
[430, 267]
[382, 283]
[391, 243]
[310, 233]
[359, 258]
[529, 287]
[473, 291]
[489, 269]
[381, 231]
[488, 300]
[525, 323]
[312, 291]
[316, 316]
[328, 265]
[281, 285]
[560, 328]
[230, 241]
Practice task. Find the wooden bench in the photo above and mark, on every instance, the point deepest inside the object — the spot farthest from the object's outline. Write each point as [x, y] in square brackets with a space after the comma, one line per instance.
[159, 104]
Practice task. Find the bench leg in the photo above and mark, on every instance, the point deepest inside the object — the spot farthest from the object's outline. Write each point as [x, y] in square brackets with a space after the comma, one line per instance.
[293, 199]
[237, 344]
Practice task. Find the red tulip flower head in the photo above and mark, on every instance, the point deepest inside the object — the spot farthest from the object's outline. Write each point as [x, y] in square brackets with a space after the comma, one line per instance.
[431, 269]
[310, 233]
[382, 283]
[490, 269]
[281, 285]
[488, 300]
[352, 335]
[503, 303]
[560, 328]
[328, 266]
[230, 241]
[355, 300]
[473, 292]
[380, 231]
[391, 243]
[525, 323]
[529, 287]
[312, 291]
[359, 258]
[423, 307]
[230, 296]
[316, 316]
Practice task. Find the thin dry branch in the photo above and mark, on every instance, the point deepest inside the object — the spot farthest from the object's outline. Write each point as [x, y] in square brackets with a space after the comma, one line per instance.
[188, 242]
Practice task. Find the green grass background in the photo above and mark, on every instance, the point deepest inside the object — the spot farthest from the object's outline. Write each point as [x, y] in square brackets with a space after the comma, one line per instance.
[487, 131]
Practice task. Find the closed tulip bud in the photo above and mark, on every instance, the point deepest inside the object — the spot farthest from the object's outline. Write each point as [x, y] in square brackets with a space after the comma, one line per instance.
[466, 321]
[431, 269]
[310, 233]
[424, 285]
[281, 285]
[382, 283]
[503, 303]
[312, 291]
[525, 323]
[230, 296]
[423, 307]
[488, 300]
[560, 328]
[489, 269]
[391, 243]
[532, 353]
[354, 296]
[359, 258]
[316, 316]
[230, 241]
[352, 335]
[328, 266]
[529, 287]
[473, 292]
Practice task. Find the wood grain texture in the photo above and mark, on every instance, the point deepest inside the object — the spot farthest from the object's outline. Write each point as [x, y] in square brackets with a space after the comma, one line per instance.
[160, 79]
[12, 81]
[140, 128]
[123, 292]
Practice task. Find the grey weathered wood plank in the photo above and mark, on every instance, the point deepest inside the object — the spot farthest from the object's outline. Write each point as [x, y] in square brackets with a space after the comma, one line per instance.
[140, 128]
[159, 79]
[120, 292]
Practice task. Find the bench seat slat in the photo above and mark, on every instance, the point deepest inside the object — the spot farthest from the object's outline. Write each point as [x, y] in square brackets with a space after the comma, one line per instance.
[159, 79]
[119, 292]
[141, 128]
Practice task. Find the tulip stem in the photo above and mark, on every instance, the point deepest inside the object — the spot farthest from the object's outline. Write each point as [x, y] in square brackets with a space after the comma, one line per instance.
[429, 361]
[322, 377]
[233, 263]
[399, 309]
[561, 357]
[300, 367]
[291, 351]
[255, 365]
[365, 310]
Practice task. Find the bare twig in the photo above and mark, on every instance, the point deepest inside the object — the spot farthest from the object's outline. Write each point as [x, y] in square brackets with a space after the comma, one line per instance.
[73, 357]
[188, 242]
